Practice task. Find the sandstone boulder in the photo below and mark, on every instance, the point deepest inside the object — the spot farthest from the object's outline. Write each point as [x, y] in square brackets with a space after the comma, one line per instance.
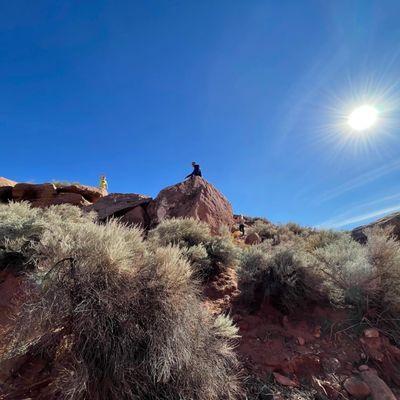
[90, 193]
[75, 199]
[41, 194]
[6, 182]
[117, 204]
[194, 198]
[136, 216]
[392, 220]
[47, 194]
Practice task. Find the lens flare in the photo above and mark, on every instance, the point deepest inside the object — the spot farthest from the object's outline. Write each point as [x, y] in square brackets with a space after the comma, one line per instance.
[363, 117]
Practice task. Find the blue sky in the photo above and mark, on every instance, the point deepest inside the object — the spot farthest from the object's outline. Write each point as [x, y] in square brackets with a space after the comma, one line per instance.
[257, 92]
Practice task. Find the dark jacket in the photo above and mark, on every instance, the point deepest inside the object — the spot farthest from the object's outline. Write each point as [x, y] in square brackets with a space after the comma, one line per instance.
[196, 171]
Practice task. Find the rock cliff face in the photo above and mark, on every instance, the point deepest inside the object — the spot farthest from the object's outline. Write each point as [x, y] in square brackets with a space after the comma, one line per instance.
[194, 198]
[392, 220]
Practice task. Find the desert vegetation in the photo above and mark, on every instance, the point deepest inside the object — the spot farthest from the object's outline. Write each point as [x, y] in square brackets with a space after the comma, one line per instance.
[207, 254]
[299, 266]
[121, 318]
[119, 313]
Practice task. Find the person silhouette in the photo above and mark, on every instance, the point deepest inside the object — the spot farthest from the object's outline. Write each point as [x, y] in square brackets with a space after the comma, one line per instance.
[196, 170]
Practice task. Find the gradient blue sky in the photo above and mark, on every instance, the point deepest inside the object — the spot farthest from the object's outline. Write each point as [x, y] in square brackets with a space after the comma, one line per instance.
[256, 91]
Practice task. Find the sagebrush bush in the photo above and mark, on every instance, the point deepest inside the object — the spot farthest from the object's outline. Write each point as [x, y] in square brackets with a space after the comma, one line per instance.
[208, 254]
[180, 232]
[222, 251]
[343, 266]
[121, 319]
[384, 254]
[278, 273]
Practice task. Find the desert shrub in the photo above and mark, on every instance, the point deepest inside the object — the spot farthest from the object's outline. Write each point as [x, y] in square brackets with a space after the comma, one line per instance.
[342, 266]
[278, 233]
[265, 230]
[222, 251]
[207, 254]
[319, 238]
[22, 226]
[19, 226]
[198, 258]
[296, 228]
[123, 320]
[279, 273]
[384, 254]
[180, 232]
[253, 260]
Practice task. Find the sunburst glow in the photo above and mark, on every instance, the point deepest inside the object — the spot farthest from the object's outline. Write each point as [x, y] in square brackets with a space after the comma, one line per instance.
[363, 117]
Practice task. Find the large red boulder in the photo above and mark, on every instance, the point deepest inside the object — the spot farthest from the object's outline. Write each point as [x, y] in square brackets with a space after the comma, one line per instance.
[40, 195]
[90, 193]
[47, 194]
[196, 198]
[118, 204]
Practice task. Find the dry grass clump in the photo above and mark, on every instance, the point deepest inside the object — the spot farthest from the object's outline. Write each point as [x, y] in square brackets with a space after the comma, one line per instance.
[122, 320]
[207, 254]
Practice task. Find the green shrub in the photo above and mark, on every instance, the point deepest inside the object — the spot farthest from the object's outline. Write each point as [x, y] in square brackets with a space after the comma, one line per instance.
[265, 230]
[122, 319]
[207, 254]
[180, 232]
[342, 266]
[222, 251]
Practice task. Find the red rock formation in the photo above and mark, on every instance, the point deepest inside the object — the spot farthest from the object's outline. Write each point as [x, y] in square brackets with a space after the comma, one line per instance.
[90, 193]
[40, 195]
[194, 198]
[6, 182]
[47, 194]
[130, 206]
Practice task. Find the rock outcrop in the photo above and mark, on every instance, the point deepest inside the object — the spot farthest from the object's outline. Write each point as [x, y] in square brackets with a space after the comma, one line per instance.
[89, 193]
[194, 198]
[47, 194]
[392, 220]
[6, 182]
[131, 208]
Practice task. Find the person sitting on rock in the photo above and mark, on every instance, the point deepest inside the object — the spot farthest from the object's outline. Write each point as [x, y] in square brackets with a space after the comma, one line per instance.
[196, 170]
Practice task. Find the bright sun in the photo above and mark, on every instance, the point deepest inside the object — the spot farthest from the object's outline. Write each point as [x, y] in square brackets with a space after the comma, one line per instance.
[363, 117]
